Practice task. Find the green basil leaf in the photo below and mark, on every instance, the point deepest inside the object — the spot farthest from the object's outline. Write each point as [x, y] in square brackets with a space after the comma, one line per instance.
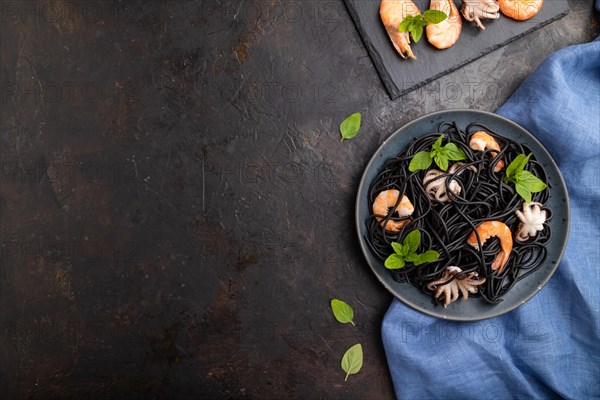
[523, 192]
[454, 153]
[434, 16]
[405, 250]
[352, 360]
[530, 181]
[342, 311]
[430, 256]
[442, 161]
[421, 160]
[394, 261]
[350, 126]
[416, 32]
[405, 24]
[397, 248]
[427, 257]
[413, 240]
[420, 21]
[412, 257]
[438, 143]
[516, 165]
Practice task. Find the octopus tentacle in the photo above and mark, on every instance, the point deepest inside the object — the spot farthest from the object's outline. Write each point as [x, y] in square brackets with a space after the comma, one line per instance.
[476, 10]
[532, 219]
[435, 183]
[452, 290]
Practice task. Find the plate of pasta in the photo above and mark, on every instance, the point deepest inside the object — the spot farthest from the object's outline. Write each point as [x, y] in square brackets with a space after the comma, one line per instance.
[462, 205]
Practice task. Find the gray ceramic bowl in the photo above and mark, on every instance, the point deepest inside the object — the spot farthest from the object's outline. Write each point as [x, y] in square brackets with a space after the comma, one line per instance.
[476, 308]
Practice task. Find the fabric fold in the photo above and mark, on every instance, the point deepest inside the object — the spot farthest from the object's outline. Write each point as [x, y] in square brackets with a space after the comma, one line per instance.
[550, 346]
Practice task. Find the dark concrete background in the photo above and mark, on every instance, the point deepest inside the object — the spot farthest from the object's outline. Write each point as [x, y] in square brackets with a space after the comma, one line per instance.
[176, 208]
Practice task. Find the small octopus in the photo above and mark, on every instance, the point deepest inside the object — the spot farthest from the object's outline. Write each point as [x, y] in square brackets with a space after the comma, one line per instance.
[450, 291]
[532, 220]
[435, 186]
[475, 10]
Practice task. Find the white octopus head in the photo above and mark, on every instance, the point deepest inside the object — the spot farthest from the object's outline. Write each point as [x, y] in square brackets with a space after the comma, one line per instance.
[532, 220]
[435, 183]
[476, 10]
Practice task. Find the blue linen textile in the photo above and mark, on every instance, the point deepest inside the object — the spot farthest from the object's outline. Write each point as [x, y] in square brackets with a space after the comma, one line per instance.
[549, 347]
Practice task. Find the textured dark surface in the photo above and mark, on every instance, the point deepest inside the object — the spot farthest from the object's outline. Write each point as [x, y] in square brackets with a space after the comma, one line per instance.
[401, 76]
[176, 208]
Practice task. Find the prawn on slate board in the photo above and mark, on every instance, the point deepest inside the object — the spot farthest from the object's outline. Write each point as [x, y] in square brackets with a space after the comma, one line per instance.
[401, 76]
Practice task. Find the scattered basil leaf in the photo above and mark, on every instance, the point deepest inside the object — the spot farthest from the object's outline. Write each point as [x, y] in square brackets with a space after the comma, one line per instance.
[516, 165]
[350, 126]
[434, 16]
[407, 252]
[421, 160]
[438, 143]
[342, 311]
[416, 34]
[530, 181]
[454, 153]
[442, 161]
[441, 156]
[413, 240]
[395, 261]
[352, 360]
[523, 192]
[422, 22]
[405, 24]
[397, 248]
[412, 257]
[525, 182]
[414, 23]
[427, 257]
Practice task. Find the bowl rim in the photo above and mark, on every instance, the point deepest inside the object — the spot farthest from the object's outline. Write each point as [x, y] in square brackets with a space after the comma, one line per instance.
[365, 248]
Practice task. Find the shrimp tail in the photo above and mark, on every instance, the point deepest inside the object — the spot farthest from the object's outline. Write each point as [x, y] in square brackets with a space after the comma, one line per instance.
[498, 263]
[392, 13]
[499, 229]
[401, 43]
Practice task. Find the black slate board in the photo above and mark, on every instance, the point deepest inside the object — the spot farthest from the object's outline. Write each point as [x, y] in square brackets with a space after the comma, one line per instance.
[401, 76]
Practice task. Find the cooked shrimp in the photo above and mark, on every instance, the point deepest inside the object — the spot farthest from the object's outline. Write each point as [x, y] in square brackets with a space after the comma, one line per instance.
[476, 10]
[392, 13]
[386, 200]
[444, 34]
[520, 9]
[482, 141]
[494, 228]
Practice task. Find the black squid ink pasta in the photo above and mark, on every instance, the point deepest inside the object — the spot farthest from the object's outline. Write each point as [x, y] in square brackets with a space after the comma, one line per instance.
[445, 226]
